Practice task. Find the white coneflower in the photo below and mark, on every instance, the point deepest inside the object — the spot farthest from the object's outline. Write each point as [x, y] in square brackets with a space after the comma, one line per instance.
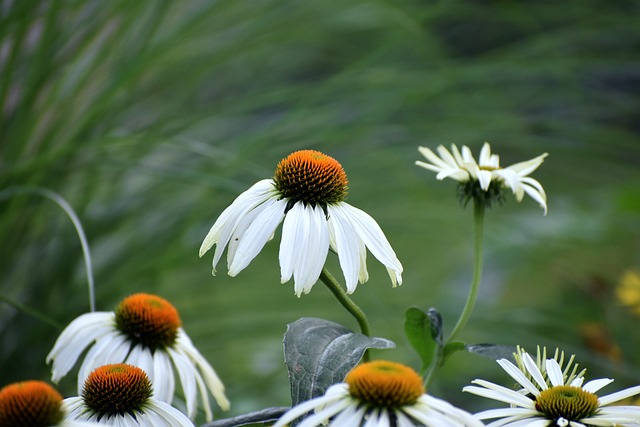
[485, 178]
[549, 399]
[307, 193]
[121, 395]
[379, 394]
[145, 330]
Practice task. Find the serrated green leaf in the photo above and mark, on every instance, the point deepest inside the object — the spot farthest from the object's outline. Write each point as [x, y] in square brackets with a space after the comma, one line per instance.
[319, 353]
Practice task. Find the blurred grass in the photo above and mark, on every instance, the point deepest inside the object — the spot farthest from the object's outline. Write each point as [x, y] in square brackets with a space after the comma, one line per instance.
[150, 117]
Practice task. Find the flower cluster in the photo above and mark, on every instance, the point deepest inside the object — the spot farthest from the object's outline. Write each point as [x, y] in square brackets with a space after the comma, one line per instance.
[135, 355]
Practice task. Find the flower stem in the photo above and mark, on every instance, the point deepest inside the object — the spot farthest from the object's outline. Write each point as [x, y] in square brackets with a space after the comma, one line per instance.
[346, 302]
[478, 225]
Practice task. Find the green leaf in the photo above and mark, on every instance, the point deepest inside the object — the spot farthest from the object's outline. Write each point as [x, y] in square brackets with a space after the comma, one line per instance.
[449, 349]
[319, 353]
[424, 332]
[493, 351]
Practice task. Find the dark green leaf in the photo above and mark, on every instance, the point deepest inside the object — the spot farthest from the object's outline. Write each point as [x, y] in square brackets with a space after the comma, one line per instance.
[424, 331]
[319, 353]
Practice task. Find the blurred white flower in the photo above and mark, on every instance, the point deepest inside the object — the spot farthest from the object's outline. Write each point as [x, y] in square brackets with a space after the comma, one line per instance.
[464, 168]
[145, 331]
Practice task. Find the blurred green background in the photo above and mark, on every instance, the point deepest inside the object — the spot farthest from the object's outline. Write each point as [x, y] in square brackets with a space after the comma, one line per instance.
[150, 117]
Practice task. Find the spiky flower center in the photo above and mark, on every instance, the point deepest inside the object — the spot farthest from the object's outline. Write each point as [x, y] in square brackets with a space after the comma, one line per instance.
[383, 384]
[149, 320]
[568, 402]
[116, 389]
[30, 403]
[311, 177]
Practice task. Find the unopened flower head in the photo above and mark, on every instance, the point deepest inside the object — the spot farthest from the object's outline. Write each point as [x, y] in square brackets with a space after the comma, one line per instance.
[144, 330]
[376, 394]
[551, 400]
[34, 404]
[307, 194]
[121, 394]
[484, 180]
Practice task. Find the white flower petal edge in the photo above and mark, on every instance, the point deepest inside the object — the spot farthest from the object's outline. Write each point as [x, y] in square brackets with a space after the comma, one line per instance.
[223, 228]
[80, 333]
[154, 414]
[373, 237]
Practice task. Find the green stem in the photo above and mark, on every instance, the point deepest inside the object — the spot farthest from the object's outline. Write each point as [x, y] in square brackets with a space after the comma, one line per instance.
[478, 216]
[346, 302]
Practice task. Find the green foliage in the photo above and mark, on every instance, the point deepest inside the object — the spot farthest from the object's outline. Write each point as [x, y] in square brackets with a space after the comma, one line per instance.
[149, 117]
[319, 353]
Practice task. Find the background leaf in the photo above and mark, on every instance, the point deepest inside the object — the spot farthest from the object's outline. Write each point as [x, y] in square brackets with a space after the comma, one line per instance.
[319, 353]
[493, 351]
[424, 332]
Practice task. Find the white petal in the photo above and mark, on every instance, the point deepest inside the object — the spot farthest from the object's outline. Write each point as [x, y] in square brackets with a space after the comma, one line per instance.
[556, 377]
[484, 177]
[313, 251]
[515, 373]
[294, 231]
[348, 246]
[500, 393]
[485, 155]
[528, 166]
[225, 224]
[257, 234]
[115, 352]
[372, 236]
[620, 395]
[171, 415]
[214, 384]
[164, 382]
[186, 372]
[534, 371]
[433, 158]
[75, 338]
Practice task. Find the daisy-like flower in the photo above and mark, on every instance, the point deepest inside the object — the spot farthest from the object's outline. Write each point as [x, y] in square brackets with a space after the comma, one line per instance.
[377, 394]
[34, 404]
[122, 395]
[552, 401]
[484, 179]
[307, 193]
[144, 330]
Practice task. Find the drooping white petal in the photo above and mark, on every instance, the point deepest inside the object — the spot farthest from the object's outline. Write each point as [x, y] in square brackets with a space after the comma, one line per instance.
[187, 379]
[213, 382]
[528, 166]
[168, 414]
[257, 234]
[498, 392]
[348, 246]
[75, 338]
[225, 224]
[314, 249]
[294, 231]
[371, 234]
[164, 383]
[534, 371]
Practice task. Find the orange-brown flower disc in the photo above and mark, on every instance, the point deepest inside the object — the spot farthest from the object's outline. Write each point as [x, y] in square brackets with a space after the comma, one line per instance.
[116, 389]
[384, 384]
[568, 402]
[311, 177]
[30, 403]
[149, 320]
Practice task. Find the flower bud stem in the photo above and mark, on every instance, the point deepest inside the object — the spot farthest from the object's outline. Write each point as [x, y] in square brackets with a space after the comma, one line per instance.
[478, 216]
